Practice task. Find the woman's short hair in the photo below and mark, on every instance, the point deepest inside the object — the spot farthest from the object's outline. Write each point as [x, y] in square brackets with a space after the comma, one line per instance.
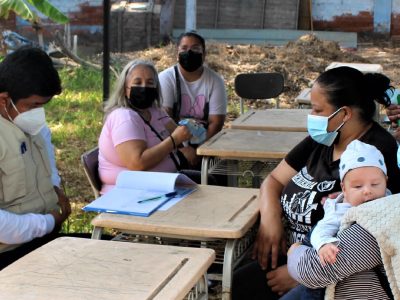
[194, 35]
[118, 97]
[346, 86]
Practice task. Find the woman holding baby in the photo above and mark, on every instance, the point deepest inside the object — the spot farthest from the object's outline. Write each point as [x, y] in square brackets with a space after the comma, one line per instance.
[343, 106]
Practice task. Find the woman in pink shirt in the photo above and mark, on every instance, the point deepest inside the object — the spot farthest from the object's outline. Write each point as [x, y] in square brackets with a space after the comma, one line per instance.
[137, 134]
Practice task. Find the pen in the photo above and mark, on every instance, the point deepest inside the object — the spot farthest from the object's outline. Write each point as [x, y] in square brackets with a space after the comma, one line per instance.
[172, 194]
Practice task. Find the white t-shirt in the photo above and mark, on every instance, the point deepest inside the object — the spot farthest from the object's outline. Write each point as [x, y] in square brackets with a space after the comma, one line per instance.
[209, 88]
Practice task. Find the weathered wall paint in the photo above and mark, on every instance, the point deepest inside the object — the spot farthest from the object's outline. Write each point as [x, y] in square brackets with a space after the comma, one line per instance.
[382, 15]
[357, 15]
[329, 10]
[395, 21]
[334, 15]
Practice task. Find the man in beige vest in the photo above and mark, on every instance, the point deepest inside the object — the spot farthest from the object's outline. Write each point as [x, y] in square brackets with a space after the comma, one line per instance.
[30, 206]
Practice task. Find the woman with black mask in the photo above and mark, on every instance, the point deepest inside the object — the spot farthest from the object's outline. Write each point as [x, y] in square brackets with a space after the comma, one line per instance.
[191, 89]
[137, 134]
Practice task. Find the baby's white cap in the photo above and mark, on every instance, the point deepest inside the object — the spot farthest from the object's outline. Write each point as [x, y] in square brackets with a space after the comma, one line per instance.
[359, 154]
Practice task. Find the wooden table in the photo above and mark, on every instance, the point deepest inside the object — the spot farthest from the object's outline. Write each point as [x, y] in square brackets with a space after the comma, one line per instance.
[365, 68]
[76, 268]
[212, 215]
[239, 145]
[273, 120]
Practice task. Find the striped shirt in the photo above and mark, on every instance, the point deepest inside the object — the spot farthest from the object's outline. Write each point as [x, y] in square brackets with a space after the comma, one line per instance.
[352, 272]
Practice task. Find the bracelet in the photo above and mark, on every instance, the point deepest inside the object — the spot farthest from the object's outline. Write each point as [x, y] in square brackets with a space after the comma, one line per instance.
[173, 142]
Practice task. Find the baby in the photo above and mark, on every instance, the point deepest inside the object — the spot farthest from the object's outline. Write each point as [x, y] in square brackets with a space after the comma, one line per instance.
[363, 178]
[362, 172]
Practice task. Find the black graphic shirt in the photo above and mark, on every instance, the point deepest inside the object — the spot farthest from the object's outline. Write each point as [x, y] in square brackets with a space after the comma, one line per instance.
[318, 176]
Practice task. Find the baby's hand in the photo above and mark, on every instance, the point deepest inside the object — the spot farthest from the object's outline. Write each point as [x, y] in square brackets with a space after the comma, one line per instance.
[330, 196]
[327, 254]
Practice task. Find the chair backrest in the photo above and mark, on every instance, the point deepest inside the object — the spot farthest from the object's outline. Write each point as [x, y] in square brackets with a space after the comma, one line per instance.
[258, 86]
[90, 162]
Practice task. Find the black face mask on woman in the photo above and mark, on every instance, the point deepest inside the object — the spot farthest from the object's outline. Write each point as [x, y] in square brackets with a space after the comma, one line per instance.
[190, 60]
[142, 97]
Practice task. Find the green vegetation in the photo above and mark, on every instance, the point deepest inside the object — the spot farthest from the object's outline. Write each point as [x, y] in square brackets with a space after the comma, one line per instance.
[23, 8]
[75, 119]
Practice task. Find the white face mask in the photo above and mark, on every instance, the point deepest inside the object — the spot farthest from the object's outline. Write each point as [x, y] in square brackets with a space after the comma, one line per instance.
[31, 121]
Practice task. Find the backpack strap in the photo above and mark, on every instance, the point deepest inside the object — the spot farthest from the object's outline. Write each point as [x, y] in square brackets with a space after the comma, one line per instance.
[176, 109]
[206, 108]
[177, 165]
[206, 111]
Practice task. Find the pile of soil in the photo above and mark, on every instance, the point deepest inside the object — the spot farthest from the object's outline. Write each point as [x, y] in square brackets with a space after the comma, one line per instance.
[300, 62]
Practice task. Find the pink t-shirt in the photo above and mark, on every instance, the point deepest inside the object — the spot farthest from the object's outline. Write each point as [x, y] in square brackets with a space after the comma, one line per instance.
[124, 124]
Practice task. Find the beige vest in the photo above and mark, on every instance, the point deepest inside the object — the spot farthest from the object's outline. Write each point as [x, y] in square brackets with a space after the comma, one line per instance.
[25, 174]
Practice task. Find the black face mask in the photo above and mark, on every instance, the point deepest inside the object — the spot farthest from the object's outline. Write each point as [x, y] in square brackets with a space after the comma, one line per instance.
[190, 60]
[142, 97]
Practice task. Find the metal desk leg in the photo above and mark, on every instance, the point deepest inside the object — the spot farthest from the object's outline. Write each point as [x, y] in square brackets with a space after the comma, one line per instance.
[227, 269]
[97, 232]
[203, 288]
[233, 180]
[204, 169]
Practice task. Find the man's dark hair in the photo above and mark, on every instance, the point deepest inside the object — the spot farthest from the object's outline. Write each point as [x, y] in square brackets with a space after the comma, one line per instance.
[29, 71]
[192, 34]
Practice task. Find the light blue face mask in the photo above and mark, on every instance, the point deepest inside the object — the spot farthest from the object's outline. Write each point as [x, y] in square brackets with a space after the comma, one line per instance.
[398, 156]
[317, 127]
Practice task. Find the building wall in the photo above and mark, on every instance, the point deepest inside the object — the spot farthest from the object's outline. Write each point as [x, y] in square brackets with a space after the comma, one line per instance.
[335, 15]
[357, 15]
[395, 21]
[255, 14]
[350, 15]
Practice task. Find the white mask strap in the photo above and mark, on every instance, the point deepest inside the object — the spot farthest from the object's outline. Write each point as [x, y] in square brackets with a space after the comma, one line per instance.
[12, 103]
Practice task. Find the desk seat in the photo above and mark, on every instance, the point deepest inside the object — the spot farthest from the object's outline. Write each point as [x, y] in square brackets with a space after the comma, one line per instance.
[222, 218]
[272, 120]
[76, 268]
[365, 68]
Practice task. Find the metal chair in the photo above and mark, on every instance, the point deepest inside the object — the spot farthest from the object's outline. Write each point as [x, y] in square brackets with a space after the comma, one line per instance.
[258, 86]
[90, 162]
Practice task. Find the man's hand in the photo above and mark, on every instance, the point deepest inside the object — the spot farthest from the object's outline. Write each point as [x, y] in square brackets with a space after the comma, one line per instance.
[280, 281]
[327, 254]
[65, 207]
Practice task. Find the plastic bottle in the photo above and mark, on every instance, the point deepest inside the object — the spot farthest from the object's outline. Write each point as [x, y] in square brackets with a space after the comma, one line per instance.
[197, 130]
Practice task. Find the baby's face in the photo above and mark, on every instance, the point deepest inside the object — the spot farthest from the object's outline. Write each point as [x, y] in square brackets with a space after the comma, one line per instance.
[363, 184]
